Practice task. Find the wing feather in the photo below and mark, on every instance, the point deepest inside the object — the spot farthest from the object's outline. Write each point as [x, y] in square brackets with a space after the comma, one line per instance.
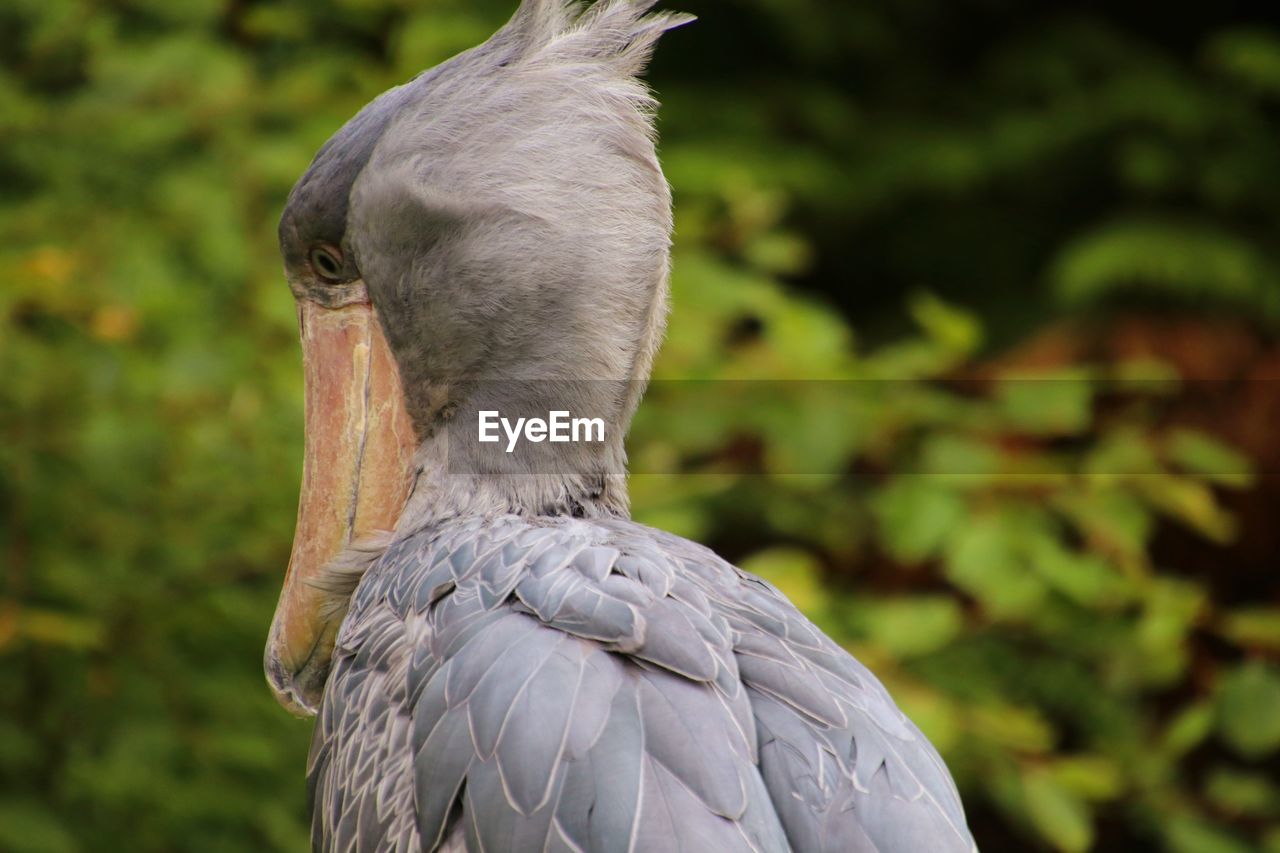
[597, 686]
[533, 736]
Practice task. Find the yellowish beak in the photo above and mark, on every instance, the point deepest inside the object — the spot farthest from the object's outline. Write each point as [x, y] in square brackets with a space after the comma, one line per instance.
[355, 478]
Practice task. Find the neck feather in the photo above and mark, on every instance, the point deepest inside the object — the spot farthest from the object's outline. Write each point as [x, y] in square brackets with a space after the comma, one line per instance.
[584, 476]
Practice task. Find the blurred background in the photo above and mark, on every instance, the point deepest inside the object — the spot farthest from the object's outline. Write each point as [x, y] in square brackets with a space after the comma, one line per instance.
[1042, 234]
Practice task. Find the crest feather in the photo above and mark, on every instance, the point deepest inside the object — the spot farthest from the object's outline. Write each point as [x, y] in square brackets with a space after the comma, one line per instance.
[618, 30]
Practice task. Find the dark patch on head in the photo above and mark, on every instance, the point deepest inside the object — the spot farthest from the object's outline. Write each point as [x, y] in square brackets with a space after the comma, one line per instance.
[316, 212]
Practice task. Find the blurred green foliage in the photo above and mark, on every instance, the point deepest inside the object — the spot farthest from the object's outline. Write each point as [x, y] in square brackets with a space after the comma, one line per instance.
[985, 547]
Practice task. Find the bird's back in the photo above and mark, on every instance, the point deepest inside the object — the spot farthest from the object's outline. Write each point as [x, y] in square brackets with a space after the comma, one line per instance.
[519, 684]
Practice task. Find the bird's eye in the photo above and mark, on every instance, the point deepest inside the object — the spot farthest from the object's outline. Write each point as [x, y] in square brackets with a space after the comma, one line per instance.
[326, 261]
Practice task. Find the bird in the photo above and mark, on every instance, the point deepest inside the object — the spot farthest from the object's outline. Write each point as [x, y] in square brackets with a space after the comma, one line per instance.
[499, 658]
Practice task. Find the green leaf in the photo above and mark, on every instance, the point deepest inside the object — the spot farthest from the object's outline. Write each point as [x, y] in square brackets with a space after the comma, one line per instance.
[1121, 454]
[1059, 816]
[1173, 259]
[1249, 55]
[916, 515]
[956, 330]
[985, 559]
[1253, 627]
[1048, 405]
[1083, 577]
[59, 629]
[1201, 454]
[1091, 777]
[1193, 503]
[1248, 699]
[1171, 609]
[913, 626]
[780, 253]
[795, 572]
[1012, 727]
[1239, 794]
[1189, 728]
[1111, 516]
[1192, 835]
[28, 826]
[960, 459]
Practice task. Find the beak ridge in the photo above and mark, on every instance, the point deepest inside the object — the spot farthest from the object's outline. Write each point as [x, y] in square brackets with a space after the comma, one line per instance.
[357, 473]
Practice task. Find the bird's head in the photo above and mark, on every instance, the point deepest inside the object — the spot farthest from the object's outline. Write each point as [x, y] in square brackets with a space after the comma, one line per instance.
[501, 217]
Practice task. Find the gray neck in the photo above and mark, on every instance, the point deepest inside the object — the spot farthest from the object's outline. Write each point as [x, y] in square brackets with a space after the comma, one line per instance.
[458, 475]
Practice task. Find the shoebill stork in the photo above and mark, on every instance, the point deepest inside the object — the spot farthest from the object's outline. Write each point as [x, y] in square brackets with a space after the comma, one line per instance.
[501, 660]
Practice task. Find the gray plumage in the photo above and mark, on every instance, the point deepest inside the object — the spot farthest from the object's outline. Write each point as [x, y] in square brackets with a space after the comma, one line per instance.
[559, 684]
[523, 668]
